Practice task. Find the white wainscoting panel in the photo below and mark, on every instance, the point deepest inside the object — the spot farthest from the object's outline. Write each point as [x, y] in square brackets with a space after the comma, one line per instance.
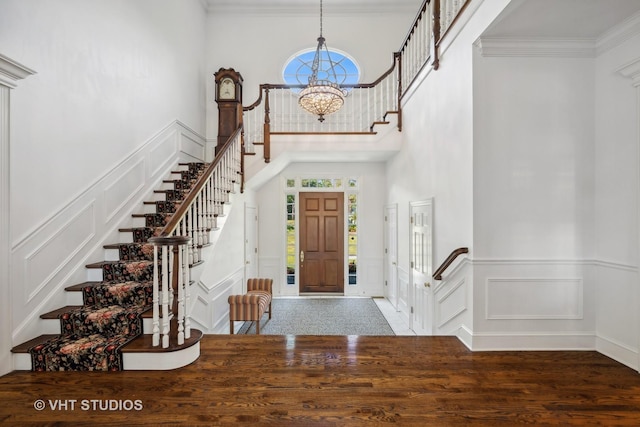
[123, 189]
[403, 293]
[43, 264]
[273, 267]
[450, 303]
[54, 253]
[370, 278]
[534, 298]
[200, 318]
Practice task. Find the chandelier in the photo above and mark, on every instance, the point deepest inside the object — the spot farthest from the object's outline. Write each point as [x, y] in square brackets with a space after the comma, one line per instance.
[322, 97]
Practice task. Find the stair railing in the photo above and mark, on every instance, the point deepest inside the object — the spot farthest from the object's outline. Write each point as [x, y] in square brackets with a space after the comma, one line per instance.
[437, 275]
[179, 245]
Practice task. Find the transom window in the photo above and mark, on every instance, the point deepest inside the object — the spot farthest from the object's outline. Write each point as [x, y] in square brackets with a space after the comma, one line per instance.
[297, 70]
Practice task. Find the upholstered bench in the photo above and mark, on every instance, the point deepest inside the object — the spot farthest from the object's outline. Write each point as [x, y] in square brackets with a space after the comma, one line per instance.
[251, 306]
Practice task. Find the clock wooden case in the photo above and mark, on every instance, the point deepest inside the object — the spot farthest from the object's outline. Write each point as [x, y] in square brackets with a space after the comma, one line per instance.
[229, 99]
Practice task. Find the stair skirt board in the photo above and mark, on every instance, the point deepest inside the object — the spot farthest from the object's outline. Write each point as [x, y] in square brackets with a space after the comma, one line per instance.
[139, 361]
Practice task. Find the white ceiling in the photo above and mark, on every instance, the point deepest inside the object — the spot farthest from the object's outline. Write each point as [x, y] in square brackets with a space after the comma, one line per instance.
[306, 7]
[570, 19]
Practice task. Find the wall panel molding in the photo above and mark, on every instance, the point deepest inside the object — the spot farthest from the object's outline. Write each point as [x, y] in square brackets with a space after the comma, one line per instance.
[527, 298]
[43, 264]
[53, 254]
[10, 73]
[450, 303]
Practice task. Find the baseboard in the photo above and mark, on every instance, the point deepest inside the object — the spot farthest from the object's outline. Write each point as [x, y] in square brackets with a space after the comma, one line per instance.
[542, 341]
[618, 352]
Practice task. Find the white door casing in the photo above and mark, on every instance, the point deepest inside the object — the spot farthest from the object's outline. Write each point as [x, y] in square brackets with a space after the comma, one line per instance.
[250, 243]
[391, 254]
[421, 267]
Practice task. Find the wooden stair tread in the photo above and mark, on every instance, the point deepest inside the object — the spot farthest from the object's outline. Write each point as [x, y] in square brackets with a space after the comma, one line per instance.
[99, 264]
[25, 346]
[56, 313]
[144, 344]
[80, 286]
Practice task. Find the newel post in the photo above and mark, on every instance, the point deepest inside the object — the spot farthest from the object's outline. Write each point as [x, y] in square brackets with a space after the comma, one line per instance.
[267, 127]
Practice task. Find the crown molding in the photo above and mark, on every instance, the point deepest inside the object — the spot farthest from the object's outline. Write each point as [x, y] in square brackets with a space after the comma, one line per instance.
[618, 34]
[631, 70]
[12, 71]
[536, 47]
[300, 8]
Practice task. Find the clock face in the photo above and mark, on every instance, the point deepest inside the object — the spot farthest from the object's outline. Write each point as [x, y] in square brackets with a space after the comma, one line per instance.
[227, 89]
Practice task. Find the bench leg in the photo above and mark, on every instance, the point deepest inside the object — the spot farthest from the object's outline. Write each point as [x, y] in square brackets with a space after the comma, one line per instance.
[269, 310]
[257, 327]
[231, 327]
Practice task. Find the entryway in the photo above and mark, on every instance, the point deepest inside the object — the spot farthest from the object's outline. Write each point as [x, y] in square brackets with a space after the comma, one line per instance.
[321, 258]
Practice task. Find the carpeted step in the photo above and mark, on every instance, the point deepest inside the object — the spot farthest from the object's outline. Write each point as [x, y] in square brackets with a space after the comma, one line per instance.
[125, 294]
[127, 271]
[79, 353]
[108, 321]
[135, 251]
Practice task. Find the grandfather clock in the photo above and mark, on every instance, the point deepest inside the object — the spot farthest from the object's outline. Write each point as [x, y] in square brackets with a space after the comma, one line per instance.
[229, 99]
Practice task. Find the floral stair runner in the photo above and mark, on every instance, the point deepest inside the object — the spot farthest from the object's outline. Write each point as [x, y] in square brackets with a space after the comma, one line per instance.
[93, 335]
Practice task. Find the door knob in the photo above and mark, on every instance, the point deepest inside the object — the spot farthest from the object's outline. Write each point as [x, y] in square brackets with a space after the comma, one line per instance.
[301, 256]
[427, 284]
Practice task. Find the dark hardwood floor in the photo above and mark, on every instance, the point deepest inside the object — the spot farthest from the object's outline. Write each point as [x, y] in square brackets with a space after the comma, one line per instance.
[336, 381]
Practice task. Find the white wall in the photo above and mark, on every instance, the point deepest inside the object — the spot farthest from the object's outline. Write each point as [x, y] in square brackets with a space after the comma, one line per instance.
[117, 100]
[533, 202]
[271, 205]
[110, 75]
[617, 127]
[534, 157]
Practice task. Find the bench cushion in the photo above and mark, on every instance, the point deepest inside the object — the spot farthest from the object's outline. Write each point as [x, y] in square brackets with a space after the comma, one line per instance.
[250, 306]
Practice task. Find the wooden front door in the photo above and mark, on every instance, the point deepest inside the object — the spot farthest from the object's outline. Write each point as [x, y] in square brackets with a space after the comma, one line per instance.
[321, 242]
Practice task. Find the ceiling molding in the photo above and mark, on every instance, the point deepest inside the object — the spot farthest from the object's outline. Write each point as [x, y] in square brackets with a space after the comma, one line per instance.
[631, 70]
[304, 8]
[618, 34]
[537, 47]
[12, 71]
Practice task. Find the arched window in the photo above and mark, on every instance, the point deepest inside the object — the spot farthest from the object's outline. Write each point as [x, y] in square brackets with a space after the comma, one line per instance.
[297, 70]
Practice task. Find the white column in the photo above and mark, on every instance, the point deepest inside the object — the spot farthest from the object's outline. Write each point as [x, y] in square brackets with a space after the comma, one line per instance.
[632, 71]
[10, 73]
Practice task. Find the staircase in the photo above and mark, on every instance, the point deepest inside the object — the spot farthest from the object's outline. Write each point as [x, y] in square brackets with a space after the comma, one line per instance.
[109, 327]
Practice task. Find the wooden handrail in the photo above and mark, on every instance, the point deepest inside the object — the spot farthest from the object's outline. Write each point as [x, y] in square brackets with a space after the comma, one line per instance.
[437, 275]
[416, 21]
[301, 86]
[181, 210]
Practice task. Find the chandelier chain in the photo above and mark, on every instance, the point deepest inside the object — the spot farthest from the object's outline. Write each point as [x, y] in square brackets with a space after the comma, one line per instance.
[320, 18]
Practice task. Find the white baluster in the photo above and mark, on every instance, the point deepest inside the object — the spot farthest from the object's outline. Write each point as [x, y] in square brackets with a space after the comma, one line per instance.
[156, 300]
[181, 301]
[187, 294]
[165, 298]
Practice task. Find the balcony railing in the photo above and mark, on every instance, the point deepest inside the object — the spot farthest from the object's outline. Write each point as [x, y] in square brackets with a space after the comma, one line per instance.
[276, 111]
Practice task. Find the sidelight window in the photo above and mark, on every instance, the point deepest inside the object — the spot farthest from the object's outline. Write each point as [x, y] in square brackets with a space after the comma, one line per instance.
[352, 244]
[291, 239]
